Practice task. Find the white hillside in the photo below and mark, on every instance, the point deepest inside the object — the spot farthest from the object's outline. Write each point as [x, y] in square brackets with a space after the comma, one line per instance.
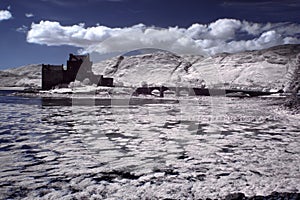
[265, 68]
[24, 76]
[242, 69]
[154, 69]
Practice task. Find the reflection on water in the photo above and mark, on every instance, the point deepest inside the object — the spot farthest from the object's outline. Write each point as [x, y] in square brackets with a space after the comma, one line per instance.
[189, 148]
[86, 101]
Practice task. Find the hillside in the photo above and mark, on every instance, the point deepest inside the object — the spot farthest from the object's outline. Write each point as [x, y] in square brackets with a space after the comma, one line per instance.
[25, 76]
[268, 68]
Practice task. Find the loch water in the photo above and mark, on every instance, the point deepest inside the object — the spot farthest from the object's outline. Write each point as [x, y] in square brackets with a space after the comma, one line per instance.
[176, 148]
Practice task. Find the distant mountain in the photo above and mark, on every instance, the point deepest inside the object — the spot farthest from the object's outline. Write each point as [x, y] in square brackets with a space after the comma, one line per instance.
[268, 68]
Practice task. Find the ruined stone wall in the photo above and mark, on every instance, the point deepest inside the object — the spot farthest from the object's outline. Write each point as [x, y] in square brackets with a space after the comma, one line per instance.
[52, 75]
[78, 68]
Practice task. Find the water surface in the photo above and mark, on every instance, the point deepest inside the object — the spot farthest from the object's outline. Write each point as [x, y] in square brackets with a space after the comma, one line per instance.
[185, 149]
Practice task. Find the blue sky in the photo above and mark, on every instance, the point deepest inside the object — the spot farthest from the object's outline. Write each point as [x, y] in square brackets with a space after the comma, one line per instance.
[46, 31]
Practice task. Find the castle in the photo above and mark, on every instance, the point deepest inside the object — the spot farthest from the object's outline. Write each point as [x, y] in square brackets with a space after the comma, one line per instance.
[79, 67]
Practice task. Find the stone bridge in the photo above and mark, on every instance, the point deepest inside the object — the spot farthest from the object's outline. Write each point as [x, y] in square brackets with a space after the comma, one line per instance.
[194, 91]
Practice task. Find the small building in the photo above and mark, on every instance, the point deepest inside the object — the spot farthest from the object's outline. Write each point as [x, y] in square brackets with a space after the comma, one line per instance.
[79, 67]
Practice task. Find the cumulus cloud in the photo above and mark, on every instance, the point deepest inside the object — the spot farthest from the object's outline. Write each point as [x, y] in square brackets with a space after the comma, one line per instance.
[5, 15]
[224, 29]
[223, 35]
[28, 15]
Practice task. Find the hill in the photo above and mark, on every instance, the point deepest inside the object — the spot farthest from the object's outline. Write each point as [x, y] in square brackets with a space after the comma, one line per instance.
[24, 76]
[268, 68]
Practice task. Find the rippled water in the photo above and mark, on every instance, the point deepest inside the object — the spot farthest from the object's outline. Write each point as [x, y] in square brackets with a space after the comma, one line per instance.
[185, 149]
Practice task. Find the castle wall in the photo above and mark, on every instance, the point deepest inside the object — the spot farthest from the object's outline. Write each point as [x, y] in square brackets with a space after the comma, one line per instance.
[78, 68]
[52, 75]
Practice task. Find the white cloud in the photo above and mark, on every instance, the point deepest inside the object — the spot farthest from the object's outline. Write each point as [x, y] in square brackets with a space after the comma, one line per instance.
[223, 35]
[28, 15]
[22, 29]
[224, 29]
[269, 37]
[5, 15]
